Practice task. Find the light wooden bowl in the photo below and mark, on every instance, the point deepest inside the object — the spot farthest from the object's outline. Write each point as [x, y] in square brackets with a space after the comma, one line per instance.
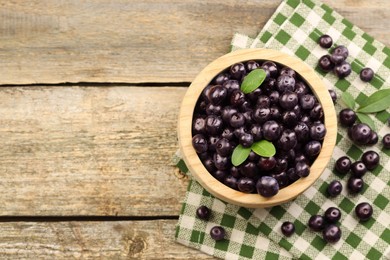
[192, 160]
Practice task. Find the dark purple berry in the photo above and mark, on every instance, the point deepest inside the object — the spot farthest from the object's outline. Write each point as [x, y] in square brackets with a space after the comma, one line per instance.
[220, 175]
[223, 147]
[366, 74]
[217, 233]
[266, 163]
[274, 97]
[221, 162]
[302, 169]
[209, 165]
[292, 175]
[237, 120]
[271, 68]
[281, 178]
[231, 85]
[235, 172]
[317, 131]
[212, 142]
[339, 54]
[203, 212]
[325, 63]
[355, 185]
[246, 185]
[217, 94]
[363, 211]
[370, 159]
[358, 169]
[289, 72]
[246, 140]
[301, 88]
[256, 132]
[316, 223]
[263, 101]
[231, 182]
[284, 83]
[288, 228]
[213, 109]
[317, 112]
[237, 98]
[253, 157]
[275, 112]
[302, 132]
[331, 233]
[227, 112]
[228, 133]
[342, 70]
[325, 41]
[214, 124]
[261, 114]
[373, 138]
[271, 130]
[347, 117]
[221, 78]
[199, 126]
[199, 143]
[312, 149]
[249, 169]
[267, 186]
[333, 95]
[289, 118]
[288, 100]
[251, 65]
[386, 141]
[360, 133]
[307, 101]
[237, 71]
[343, 165]
[332, 215]
[334, 188]
[287, 140]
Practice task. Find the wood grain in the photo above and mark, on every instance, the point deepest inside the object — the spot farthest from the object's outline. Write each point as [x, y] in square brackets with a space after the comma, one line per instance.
[119, 41]
[49, 41]
[195, 165]
[89, 151]
[93, 240]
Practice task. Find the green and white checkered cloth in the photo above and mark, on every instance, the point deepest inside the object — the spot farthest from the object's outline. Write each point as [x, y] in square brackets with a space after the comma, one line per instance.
[255, 233]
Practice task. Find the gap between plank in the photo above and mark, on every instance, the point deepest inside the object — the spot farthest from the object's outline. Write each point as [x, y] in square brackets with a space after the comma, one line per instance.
[83, 218]
[102, 84]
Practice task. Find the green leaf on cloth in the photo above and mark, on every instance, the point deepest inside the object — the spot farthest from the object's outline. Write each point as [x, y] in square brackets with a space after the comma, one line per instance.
[377, 102]
[255, 233]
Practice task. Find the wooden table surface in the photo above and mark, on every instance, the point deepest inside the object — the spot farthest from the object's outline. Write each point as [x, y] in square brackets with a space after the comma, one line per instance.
[89, 99]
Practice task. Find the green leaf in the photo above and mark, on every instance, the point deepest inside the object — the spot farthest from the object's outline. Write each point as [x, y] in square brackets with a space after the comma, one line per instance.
[348, 100]
[240, 154]
[378, 101]
[253, 80]
[264, 148]
[366, 119]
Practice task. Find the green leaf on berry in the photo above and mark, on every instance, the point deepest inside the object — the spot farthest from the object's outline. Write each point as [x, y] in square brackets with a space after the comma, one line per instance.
[378, 101]
[240, 153]
[264, 148]
[348, 100]
[363, 118]
[253, 80]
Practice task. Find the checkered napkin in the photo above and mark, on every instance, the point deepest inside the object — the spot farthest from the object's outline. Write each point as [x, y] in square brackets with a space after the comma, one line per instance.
[255, 233]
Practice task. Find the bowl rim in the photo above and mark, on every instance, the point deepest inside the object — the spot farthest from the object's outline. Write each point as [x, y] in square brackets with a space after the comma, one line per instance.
[192, 159]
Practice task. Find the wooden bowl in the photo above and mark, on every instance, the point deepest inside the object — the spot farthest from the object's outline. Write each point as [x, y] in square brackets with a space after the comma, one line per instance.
[192, 160]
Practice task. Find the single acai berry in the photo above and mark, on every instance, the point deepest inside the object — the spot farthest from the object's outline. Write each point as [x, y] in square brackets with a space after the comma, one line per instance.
[302, 169]
[339, 54]
[386, 141]
[214, 124]
[360, 133]
[267, 186]
[343, 165]
[332, 215]
[246, 185]
[287, 140]
[266, 163]
[355, 185]
[271, 68]
[347, 117]
[312, 149]
[223, 147]
[370, 159]
[317, 131]
[288, 100]
[231, 182]
[289, 72]
[237, 120]
[325, 41]
[331, 233]
[307, 101]
[374, 138]
[333, 95]
[221, 78]
[217, 94]
[284, 83]
[199, 143]
[325, 63]
[217, 233]
[363, 211]
[366, 74]
[251, 65]
[203, 212]
[342, 70]
[271, 130]
[288, 228]
[334, 188]
[358, 169]
[316, 223]
[237, 71]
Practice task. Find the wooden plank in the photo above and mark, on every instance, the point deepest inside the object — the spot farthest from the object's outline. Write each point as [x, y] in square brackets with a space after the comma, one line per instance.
[89, 151]
[93, 240]
[51, 41]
